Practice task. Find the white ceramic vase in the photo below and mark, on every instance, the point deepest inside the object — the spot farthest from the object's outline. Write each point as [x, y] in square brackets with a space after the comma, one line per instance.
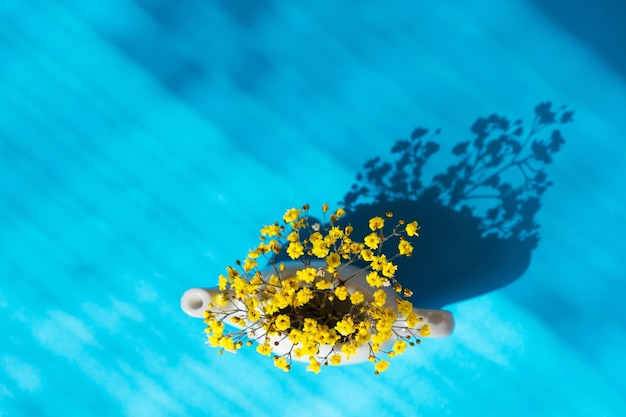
[196, 300]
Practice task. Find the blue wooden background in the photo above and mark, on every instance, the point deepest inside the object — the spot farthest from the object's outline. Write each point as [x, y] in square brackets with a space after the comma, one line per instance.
[143, 143]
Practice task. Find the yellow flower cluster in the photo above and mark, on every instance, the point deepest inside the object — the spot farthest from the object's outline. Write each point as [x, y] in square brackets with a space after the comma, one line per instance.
[316, 310]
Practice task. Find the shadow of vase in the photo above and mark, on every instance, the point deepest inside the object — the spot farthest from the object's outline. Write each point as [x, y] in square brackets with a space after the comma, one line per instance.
[452, 260]
[477, 217]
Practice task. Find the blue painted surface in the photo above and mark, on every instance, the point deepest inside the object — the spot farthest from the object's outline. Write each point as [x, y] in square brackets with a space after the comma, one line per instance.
[143, 144]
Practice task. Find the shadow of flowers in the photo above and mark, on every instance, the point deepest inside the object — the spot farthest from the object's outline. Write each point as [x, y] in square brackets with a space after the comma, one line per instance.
[477, 217]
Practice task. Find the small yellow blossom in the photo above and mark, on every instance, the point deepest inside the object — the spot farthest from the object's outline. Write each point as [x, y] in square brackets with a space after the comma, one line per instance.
[341, 292]
[381, 366]
[320, 249]
[291, 215]
[405, 248]
[306, 275]
[425, 330]
[264, 349]
[333, 261]
[376, 223]
[223, 281]
[323, 284]
[303, 296]
[357, 297]
[362, 337]
[253, 315]
[295, 250]
[314, 366]
[367, 255]
[310, 325]
[281, 363]
[389, 269]
[372, 240]
[345, 326]
[221, 300]
[248, 264]
[380, 297]
[411, 320]
[335, 359]
[412, 228]
[293, 236]
[271, 230]
[282, 322]
[349, 349]
[340, 212]
[378, 262]
[374, 280]
[404, 307]
[399, 346]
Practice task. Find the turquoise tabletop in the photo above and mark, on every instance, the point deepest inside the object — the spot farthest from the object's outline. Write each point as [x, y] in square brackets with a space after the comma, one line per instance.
[144, 143]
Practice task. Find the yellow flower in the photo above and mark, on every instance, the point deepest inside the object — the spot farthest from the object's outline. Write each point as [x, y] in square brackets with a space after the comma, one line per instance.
[412, 320]
[274, 246]
[322, 284]
[372, 240]
[362, 337]
[264, 349]
[380, 297]
[349, 349]
[310, 326]
[378, 262]
[248, 264]
[345, 326]
[306, 275]
[381, 366]
[291, 215]
[405, 307]
[271, 230]
[389, 269]
[293, 237]
[324, 208]
[303, 296]
[253, 315]
[333, 261]
[281, 363]
[314, 366]
[335, 359]
[335, 233]
[340, 212]
[376, 223]
[425, 330]
[320, 249]
[295, 336]
[374, 280]
[342, 292]
[290, 285]
[295, 250]
[221, 300]
[357, 297]
[367, 255]
[316, 237]
[227, 343]
[399, 346]
[405, 248]
[412, 228]
[282, 322]
[222, 282]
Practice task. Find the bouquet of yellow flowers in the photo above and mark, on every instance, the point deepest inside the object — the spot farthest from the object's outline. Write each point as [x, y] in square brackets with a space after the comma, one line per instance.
[333, 301]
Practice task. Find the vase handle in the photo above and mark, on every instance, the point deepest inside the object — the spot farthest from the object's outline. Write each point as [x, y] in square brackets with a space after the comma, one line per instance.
[196, 300]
